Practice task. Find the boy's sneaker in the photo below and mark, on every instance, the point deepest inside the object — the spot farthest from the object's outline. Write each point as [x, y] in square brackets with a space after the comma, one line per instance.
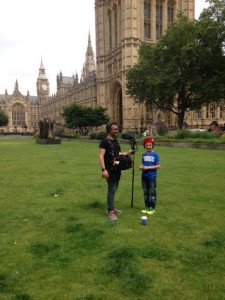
[112, 216]
[117, 211]
[150, 211]
[145, 210]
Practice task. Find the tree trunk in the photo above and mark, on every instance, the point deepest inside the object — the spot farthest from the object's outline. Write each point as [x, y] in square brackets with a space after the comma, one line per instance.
[181, 119]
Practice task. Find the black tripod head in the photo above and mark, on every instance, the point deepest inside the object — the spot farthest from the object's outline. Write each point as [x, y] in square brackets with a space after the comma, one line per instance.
[131, 137]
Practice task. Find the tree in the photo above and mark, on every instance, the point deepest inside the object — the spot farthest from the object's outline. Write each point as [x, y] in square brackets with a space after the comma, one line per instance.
[84, 118]
[211, 42]
[3, 118]
[185, 70]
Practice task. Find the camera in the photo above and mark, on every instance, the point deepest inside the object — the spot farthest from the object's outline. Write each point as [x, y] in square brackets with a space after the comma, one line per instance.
[130, 136]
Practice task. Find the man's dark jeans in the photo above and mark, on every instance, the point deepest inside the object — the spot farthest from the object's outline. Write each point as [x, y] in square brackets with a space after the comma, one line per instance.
[113, 182]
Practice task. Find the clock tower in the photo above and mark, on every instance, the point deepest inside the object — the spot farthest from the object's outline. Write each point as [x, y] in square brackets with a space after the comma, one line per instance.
[42, 84]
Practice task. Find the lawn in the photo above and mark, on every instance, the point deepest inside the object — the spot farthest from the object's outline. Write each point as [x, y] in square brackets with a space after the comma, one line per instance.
[57, 243]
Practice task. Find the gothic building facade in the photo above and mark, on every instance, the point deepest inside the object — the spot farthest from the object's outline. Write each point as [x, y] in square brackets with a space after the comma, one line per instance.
[23, 111]
[121, 26]
[71, 89]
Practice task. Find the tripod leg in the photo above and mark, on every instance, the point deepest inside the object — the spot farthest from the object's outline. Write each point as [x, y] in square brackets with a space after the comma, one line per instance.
[132, 188]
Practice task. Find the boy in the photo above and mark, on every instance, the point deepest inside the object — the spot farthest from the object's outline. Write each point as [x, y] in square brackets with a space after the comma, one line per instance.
[150, 164]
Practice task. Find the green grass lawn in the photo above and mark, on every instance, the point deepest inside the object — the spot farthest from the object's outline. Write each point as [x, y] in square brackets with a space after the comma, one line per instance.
[57, 243]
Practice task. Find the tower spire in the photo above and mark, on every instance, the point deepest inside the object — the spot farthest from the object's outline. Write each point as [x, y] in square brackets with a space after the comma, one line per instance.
[42, 65]
[42, 74]
[42, 83]
[89, 65]
[16, 88]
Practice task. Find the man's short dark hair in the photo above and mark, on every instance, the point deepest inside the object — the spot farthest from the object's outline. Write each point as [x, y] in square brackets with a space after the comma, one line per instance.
[109, 126]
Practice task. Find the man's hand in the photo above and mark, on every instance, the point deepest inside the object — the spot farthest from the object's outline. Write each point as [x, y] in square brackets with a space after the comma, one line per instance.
[130, 152]
[105, 174]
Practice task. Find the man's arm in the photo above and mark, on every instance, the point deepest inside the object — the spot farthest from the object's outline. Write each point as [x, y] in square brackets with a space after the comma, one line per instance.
[127, 153]
[101, 155]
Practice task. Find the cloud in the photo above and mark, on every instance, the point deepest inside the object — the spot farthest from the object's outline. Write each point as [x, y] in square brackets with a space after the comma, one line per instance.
[53, 30]
[56, 31]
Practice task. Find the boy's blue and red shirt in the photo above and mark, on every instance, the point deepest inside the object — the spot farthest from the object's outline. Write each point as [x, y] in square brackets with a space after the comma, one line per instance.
[150, 159]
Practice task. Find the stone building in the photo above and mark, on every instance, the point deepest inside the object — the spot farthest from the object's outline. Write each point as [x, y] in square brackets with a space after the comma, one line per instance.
[70, 89]
[121, 26]
[23, 111]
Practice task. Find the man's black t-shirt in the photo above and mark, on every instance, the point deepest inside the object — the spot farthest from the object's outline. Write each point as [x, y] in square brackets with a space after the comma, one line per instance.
[112, 149]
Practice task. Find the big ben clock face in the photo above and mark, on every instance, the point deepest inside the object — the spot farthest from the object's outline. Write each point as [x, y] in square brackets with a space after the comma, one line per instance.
[44, 87]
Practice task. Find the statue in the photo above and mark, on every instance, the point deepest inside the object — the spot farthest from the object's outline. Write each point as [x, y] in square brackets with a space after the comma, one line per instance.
[47, 132]
[46, 126]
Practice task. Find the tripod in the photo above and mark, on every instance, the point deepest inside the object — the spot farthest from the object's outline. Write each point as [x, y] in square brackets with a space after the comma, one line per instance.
[133, 145]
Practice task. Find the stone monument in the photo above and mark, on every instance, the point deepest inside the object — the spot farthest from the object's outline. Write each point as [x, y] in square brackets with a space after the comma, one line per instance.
[47, 132]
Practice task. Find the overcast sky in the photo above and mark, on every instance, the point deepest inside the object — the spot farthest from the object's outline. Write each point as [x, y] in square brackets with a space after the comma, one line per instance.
[56, 31]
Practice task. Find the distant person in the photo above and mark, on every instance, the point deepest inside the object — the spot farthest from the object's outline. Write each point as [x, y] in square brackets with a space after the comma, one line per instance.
[149, 166]
[217, 130]
[109, 149]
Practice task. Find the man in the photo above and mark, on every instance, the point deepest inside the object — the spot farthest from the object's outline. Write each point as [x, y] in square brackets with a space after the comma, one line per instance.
[109, 149]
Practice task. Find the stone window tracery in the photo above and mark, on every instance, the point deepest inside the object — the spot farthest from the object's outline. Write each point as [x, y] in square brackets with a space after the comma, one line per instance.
[170, 11]
[159, 18]
[147, 19]
[18, 115]
[110, 28]
[115, 24]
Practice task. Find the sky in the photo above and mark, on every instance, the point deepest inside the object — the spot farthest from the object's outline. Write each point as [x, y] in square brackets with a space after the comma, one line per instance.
[52, 30]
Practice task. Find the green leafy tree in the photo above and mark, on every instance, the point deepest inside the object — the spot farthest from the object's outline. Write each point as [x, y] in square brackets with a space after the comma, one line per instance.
[211, 51]
[3, 118]
[84, 118]
[185, 70]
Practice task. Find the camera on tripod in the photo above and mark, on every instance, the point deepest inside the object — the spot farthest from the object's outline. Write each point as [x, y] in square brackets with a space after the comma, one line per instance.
[130, 136]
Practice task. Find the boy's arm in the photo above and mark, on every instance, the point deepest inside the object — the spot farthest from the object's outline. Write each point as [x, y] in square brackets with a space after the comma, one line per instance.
[151, 167]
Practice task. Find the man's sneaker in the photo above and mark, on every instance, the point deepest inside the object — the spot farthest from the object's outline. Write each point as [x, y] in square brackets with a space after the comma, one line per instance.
[112, 216]
[150, 211]
[117, 211]
[145, 210]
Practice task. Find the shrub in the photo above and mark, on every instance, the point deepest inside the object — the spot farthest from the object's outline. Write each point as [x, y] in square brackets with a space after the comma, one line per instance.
[222, 138]
[184, 134]
[162, 130]
[98, 135]
[71, 136]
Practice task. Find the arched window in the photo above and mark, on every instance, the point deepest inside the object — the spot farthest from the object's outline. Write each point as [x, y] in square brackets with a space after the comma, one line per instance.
[147, 19]
[18, 115]
[119, 21]
[115, 24]
[211, 111]
[170, 11]
[159, 16]
[110, 29]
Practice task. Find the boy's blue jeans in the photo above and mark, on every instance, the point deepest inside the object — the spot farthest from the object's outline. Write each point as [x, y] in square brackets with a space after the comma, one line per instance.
[113, 182]
[149, 191]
